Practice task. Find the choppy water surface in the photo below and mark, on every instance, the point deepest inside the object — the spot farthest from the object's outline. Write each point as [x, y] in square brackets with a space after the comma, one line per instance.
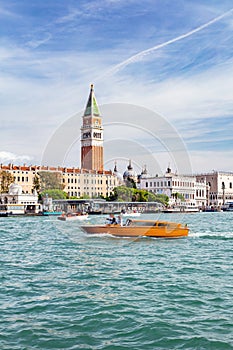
[63, 289]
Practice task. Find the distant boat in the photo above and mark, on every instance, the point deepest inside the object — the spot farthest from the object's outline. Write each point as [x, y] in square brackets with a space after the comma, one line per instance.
[228, 206]
[72, 216]
[182, 209]
[137, 228]
[48, 213]
[131, 213]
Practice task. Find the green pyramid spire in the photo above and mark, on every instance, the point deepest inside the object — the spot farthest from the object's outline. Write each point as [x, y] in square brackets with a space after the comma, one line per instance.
[92, 106]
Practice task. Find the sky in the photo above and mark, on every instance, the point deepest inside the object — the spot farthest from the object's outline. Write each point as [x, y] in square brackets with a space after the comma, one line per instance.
[174, 58]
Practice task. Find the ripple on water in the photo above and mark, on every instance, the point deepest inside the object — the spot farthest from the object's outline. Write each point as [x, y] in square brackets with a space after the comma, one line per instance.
[61, 289]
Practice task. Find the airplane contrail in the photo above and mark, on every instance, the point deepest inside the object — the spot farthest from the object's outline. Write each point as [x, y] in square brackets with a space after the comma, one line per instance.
[143, 53]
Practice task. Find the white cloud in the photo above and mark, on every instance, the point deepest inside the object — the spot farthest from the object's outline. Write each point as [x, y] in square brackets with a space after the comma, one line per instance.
[6, 12]
[207, 94]
[141, 55]
[34, 43]
[8, 157]
[41, 90]
[211, 160]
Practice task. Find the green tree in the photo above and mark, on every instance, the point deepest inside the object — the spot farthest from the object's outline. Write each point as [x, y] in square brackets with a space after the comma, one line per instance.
[36, 183]
[129, 194]
[179, 196]
[6, 179]
[130, 182]
[54, 194]
[121, 194]
[85, 196]
[162, 198]
[139, 195]
[50, 180]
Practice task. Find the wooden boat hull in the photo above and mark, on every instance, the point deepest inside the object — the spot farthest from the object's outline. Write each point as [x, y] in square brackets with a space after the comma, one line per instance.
[147, 231]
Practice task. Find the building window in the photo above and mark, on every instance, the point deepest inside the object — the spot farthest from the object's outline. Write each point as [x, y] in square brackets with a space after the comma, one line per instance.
[230, 185]
[146, 184]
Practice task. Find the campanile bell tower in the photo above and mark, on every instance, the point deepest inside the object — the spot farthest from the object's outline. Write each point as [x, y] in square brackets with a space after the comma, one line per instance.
[92, 136]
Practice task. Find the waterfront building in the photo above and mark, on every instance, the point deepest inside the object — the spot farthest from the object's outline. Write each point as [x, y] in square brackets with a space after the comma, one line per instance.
[92, 183]
[15, 202]
[219, 187]
[76, 182]
[171, 184]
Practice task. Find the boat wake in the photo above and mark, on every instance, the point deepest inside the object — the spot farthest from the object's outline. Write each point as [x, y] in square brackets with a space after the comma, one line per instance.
[211, 234]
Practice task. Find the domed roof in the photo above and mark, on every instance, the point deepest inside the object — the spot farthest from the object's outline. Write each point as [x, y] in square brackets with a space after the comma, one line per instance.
[129, 172]
[144, 173]
[117, 174]
[15, 189]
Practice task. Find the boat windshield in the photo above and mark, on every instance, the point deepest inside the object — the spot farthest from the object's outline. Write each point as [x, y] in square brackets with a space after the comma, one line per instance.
[141, 223]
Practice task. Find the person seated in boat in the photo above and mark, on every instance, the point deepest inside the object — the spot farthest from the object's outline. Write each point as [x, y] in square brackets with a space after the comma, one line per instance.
[112, 219]
[128, 222]
[119, 220]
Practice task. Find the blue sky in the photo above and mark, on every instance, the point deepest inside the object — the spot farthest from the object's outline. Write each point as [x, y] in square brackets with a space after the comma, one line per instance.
[50, 52]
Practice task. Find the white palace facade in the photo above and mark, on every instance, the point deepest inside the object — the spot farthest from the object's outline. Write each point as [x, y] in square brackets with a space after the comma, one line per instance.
[192, 189]
[219, 187]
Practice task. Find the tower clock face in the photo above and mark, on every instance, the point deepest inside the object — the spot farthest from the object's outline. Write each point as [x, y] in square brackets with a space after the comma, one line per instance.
[87, 135]
[97, 135]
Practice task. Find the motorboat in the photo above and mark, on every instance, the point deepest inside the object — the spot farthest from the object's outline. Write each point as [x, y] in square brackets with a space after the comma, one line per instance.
[137, 228]
[73, 216]
[182, 209]
[131, 213]
[228, 206]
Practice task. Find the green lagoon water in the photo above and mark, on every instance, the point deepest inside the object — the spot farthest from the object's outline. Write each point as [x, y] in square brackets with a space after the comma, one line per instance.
[63, 289]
